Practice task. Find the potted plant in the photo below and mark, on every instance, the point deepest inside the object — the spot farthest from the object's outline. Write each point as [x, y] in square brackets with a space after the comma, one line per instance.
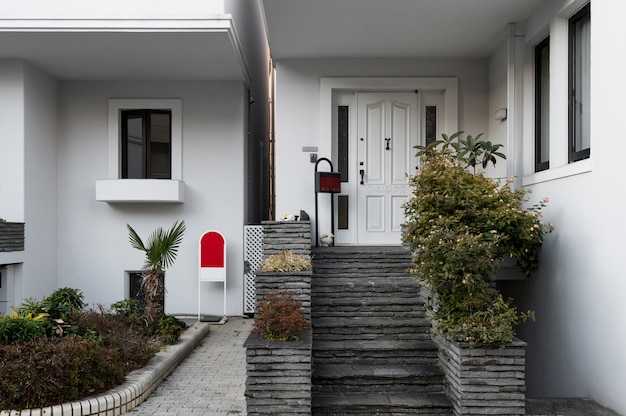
[460, 226]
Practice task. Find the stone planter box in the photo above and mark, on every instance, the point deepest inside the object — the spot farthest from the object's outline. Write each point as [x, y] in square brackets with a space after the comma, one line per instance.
[278, 376]
[296, 283]
[484, 381]
[11, 236]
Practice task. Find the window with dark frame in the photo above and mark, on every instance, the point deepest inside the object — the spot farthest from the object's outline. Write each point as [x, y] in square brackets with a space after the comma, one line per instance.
[146, 144]
[542, 105]
[579, 85]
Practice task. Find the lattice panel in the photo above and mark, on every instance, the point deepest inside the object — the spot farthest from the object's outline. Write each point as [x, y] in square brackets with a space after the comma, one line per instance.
[253, 256]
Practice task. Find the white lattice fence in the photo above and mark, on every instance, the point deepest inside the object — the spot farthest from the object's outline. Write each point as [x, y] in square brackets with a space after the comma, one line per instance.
[253, 256]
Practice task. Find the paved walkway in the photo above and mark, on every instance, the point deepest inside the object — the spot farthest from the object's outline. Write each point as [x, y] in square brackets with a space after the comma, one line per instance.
[211, 381]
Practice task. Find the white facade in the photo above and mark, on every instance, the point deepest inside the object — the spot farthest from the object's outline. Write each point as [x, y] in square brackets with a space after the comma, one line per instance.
[59, 164]
[574, 347]
[54, 112]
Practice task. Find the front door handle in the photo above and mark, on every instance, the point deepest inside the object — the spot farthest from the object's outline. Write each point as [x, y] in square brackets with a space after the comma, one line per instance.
[362, 173]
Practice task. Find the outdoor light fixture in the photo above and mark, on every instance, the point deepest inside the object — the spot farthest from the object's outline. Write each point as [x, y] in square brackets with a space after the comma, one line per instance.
[501, 114]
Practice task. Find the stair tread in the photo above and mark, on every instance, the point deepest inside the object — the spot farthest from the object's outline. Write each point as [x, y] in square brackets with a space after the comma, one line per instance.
[384, 343]
[361, 321]
[410, 399]
[374, 370]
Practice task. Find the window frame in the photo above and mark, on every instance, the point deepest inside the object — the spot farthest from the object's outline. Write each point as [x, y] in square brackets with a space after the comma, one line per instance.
[575, 154]
[116, 105]
[540, 111]
[146, 150]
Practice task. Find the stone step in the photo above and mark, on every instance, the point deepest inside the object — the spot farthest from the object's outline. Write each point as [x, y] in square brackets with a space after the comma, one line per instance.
[368, 404]
[372, 324]
[379, 351]
[355, 378]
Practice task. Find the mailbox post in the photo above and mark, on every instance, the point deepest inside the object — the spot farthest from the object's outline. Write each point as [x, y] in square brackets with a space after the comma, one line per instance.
[326, 182]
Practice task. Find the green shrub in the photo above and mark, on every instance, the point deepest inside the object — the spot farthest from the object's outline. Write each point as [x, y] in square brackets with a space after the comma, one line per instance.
[170, 328]
[17, 328]
[63, 303]
[460, 226]
[130, 311]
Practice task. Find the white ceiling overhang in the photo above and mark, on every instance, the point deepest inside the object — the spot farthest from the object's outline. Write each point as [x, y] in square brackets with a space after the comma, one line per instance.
[391, 28]
[161, 49]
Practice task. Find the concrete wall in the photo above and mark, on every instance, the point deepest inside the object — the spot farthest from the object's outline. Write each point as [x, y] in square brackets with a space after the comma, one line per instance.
[298, 112]
[93, 248]
[576, 346]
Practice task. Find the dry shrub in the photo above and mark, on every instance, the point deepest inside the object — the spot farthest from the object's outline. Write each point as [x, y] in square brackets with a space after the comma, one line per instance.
[45, 372]
[279, 318]
[287, 261]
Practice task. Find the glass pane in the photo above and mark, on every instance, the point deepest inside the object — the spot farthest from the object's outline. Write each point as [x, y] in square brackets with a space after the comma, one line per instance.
[134, 147]
[342, 212]
[431, 124]
[542, 105]
[160, 138]
[342, 141]
[582, 88]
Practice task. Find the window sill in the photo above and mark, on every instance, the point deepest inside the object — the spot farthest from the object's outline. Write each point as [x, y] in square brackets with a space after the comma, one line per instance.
[140, 191]
[560, 172]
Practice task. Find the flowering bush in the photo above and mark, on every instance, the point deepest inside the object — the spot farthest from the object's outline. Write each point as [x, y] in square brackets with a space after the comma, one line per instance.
[461, 225]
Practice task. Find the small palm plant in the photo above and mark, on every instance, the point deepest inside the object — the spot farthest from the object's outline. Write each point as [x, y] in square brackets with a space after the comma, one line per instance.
[161, 249]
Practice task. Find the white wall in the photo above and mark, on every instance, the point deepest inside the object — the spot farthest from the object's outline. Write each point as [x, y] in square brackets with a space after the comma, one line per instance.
[40, 133]
[93, 248]
[72, 9]
[12, 137]
[298, 112]
[576, 346]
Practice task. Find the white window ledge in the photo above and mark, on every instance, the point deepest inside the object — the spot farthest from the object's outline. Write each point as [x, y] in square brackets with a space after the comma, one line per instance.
[140, 191]
[576, 168]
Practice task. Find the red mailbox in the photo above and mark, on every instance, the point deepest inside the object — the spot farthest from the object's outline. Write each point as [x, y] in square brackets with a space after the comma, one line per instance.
[328, 182]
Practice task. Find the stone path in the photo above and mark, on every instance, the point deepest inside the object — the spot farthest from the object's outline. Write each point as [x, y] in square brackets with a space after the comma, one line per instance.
[210, 381]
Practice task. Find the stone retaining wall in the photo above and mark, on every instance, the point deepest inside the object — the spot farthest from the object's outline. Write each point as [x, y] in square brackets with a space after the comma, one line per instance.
[484, 381]
[11, 236]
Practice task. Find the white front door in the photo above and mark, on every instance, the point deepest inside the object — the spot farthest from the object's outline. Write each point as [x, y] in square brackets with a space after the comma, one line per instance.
[386, 133]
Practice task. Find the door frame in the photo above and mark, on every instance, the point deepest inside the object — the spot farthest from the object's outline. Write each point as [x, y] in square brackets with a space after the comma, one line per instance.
[328, 86]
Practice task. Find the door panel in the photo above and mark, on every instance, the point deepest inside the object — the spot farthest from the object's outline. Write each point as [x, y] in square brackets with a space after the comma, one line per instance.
[387, 131]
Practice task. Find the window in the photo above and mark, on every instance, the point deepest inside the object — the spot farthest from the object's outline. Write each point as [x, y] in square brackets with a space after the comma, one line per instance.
[146, 144]
[579, 84]
[542, 105]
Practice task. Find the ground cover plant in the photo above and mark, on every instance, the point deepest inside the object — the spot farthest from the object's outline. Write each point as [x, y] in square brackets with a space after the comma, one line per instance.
[461, 225]
[55, 350]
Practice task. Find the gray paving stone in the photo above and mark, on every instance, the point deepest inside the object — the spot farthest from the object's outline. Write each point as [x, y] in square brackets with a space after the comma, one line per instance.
[210, 381]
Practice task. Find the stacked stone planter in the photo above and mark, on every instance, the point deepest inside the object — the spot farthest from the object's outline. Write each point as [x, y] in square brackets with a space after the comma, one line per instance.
[279, 376]
[11, 236]
[484, 381]
[296, 283]
[279, 373]
[287, 235]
